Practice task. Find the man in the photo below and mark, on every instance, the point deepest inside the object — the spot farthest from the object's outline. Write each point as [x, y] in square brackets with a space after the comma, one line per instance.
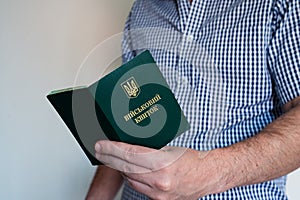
[234, 67]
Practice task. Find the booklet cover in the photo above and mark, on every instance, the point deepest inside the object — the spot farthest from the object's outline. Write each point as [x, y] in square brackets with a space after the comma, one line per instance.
[132, 104]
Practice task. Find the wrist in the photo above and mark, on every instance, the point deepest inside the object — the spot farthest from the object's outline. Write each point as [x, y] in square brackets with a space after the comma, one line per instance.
[230, 170]
[221, 173]
[227, 177]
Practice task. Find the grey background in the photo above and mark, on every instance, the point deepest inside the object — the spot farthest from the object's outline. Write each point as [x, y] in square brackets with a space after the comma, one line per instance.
[43, 43]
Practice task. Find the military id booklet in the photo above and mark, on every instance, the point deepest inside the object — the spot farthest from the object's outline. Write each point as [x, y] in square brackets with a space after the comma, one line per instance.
[132, 104]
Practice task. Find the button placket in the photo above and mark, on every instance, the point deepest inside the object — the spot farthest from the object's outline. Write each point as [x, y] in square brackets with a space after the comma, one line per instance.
[193, 20]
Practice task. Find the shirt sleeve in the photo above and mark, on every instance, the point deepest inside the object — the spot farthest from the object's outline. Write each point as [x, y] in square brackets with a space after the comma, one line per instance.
[128, 51]
[284, 50]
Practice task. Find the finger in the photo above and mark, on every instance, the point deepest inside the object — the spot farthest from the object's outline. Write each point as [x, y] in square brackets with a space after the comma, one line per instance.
[141, 187]
[145, 178]
[120, 164]
[108, 147]
[141, 156]
[128, 176]
[133, 154]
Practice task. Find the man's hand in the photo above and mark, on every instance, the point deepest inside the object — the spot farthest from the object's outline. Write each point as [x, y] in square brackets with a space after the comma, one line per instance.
[169, 173]
[178, 173]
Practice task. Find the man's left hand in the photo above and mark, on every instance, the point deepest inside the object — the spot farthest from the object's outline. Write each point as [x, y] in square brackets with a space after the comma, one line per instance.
[169, 173]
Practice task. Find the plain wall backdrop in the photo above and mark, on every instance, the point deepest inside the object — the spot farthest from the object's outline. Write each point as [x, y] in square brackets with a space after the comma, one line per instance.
[43, 43]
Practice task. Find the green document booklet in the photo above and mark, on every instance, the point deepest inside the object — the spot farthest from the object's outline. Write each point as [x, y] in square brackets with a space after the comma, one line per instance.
[132, 104]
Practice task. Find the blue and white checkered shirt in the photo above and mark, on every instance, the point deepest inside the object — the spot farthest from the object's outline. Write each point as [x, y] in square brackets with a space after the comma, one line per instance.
[231, 64]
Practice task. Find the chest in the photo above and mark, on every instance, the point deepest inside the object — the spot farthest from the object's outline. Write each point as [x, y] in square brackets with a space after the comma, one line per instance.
[210, 44]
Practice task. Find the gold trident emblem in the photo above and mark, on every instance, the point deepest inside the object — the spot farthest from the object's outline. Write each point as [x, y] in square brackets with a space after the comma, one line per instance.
[131, 88]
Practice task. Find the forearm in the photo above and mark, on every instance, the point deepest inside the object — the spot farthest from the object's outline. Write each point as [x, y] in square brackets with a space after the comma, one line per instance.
[105, 184]
[271, 154]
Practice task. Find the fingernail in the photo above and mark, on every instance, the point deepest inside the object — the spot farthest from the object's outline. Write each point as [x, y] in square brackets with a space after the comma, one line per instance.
[98, 147]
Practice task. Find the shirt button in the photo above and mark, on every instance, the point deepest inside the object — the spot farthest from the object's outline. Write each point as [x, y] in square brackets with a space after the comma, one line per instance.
[182, 80]
[190, 38]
